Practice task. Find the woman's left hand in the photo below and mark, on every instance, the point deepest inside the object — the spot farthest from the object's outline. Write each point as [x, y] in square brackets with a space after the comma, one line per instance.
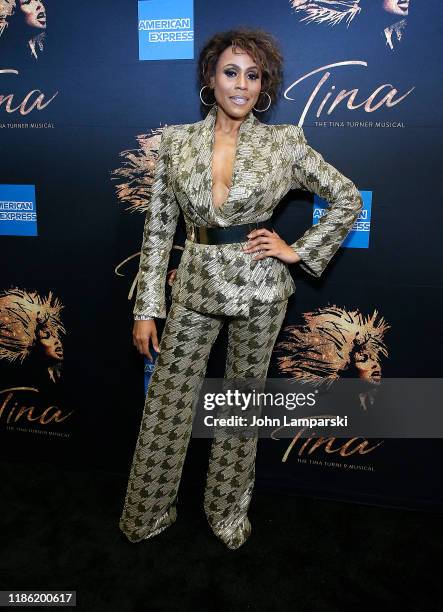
[271, 245]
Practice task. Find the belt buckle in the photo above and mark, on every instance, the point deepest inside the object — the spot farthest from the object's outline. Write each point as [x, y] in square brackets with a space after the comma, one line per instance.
[199, 234]
[203, 237]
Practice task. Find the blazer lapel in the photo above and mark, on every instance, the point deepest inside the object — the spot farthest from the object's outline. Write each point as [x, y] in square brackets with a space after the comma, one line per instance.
[197, 170]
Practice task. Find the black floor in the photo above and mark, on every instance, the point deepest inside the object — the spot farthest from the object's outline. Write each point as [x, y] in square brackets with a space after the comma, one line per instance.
[60, 532]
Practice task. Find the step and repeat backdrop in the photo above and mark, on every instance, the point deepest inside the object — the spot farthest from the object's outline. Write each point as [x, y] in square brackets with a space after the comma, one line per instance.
[85, 91]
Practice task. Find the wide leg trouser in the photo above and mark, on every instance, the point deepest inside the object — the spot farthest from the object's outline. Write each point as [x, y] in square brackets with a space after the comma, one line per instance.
[165, 431]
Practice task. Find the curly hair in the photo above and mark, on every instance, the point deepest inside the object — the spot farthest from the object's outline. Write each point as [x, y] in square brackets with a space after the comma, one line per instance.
[21, 33]
[7, 8]
[258, 43]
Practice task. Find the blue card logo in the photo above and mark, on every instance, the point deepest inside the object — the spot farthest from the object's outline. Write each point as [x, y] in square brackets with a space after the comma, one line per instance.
[149, 367]
[358, 237]
[18, 213]
[166, 29]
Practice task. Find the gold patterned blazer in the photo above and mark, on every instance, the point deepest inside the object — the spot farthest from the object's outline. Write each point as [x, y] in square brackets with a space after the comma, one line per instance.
[222, 279]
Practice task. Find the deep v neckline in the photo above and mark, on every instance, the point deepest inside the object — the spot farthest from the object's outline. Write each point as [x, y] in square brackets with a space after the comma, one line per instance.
[247, 119]
[212, 170]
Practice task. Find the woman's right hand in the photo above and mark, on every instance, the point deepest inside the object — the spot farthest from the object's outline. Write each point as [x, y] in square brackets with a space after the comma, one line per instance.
[142, 332]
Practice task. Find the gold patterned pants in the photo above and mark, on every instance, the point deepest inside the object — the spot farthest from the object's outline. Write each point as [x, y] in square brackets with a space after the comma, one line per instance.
[151, 498]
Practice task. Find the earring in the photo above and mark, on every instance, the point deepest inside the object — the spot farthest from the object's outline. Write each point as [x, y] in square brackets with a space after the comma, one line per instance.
[263, 109]
[203, 102]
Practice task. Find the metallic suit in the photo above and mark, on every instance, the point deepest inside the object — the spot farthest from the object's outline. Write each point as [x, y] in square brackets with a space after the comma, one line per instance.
[214, 283]
[187, 338]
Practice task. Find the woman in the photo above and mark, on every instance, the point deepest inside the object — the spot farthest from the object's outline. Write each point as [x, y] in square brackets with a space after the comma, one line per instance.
[397, 7]
[333, 13]
[34, 13]
[26, 27]
[226, 173]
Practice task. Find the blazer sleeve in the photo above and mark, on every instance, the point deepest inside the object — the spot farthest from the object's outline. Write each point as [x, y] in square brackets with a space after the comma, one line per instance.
[311, 172]
[158, 235]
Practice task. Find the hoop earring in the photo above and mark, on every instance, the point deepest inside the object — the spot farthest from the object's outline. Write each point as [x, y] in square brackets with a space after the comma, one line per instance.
[203, 102]
[264, 109]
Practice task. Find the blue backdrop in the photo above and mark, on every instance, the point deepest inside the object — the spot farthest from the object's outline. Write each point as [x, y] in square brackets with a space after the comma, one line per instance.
[75, 98]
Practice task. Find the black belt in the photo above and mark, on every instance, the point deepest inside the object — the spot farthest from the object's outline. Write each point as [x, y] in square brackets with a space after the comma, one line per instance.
[226, 235]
